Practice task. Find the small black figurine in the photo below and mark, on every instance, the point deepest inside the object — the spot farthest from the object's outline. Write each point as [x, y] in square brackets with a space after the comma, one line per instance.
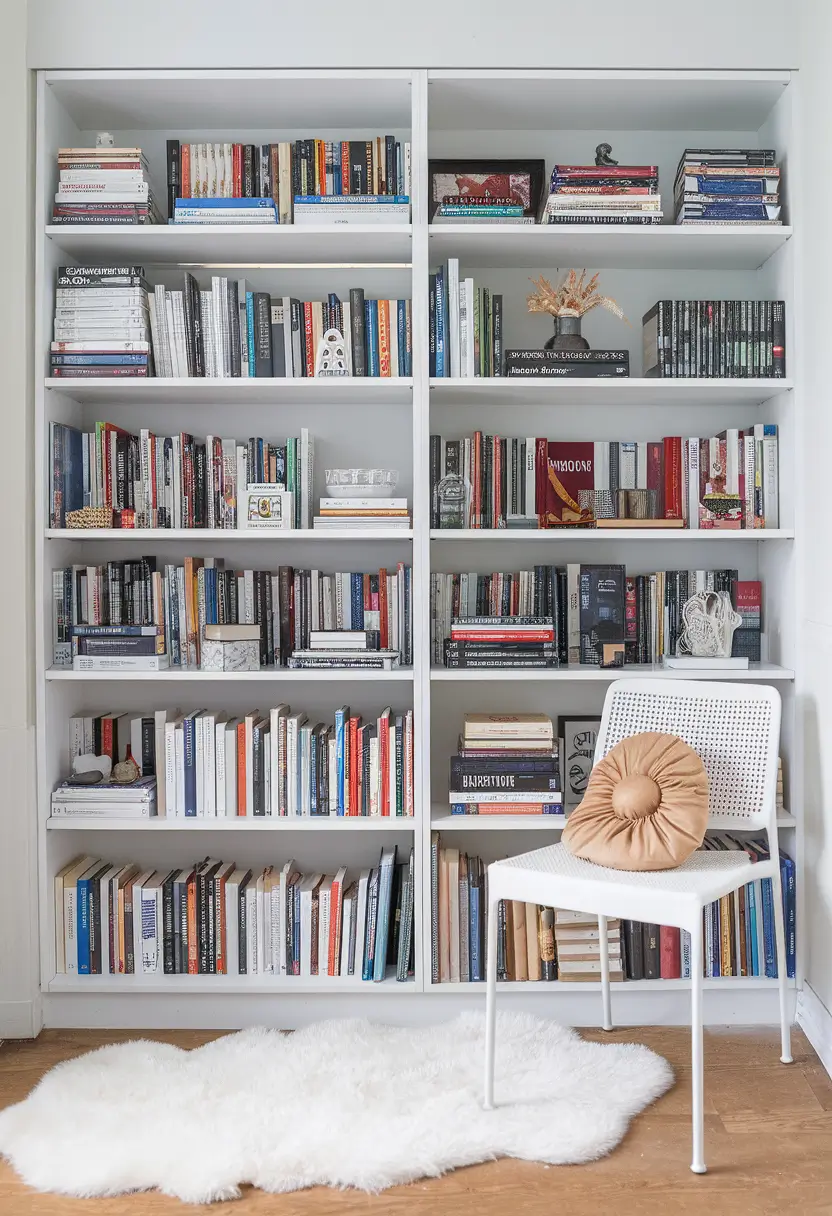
[602, 155]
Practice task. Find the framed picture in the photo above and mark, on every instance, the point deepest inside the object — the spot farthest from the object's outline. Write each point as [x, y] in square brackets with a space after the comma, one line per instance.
[265, 506]
[521, 181]
[578, 737]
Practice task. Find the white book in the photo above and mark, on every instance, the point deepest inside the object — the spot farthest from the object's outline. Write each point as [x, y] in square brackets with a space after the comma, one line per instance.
[452, 856]
[347, 913]
[732, 461]
[172, 804]
[375, 807]
[390, 726]
[519, 796]
[694, 456]
[771, 482]
[151, 919]
[287, 336]
[179, 762]
[324, 911]
[306, 470]
[468, 370]
[263, 917]
[138, 886]
[251, 927]
[103, 928]
[573, 612]
[276, 928]
[283, 889]
[276, 715]
[210, 780]
[453, 315]
[531, 446]
[230, 748]
[293, 725]
[626, 466]
[308, 888]
[361, 921]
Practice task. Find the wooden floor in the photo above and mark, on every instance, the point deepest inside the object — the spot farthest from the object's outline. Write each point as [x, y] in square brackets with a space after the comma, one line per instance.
[768, 1139]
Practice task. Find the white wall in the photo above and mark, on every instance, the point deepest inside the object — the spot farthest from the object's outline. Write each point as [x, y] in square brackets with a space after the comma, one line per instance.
[427, 33]
[18, 906]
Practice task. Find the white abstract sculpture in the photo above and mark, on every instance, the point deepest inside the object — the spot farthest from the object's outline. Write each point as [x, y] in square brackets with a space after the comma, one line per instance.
[331, 359]
[709, 622]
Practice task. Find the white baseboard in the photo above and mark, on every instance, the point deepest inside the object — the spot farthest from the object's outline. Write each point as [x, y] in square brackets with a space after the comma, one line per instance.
[815, 1020]
[19, 1020]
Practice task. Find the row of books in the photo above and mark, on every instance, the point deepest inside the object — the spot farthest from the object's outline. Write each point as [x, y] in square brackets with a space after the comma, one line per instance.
[150, 481]
[208, 764]
[466, 326]
[583, 607]
[603, 194]
[727, 186]
[727, 481]
[233, 331]
[101, 323]
[144, 615]
[536, 943]
[104, 186]
[216, 918]
[282, 171]
[505, 764]
[732, 339]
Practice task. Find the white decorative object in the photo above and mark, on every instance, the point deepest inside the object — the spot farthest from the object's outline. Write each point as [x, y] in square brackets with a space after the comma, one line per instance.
[709, 622]
[229, 656]
[266, 506]
[331, 359]
[407, 1103]
[91, 764]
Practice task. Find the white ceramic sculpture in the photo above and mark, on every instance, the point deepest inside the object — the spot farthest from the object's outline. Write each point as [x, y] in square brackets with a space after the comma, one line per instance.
[709, 622]
[331, 359]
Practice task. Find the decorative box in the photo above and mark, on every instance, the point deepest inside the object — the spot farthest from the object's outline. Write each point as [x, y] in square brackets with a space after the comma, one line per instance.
[266, 506]
[231, 648]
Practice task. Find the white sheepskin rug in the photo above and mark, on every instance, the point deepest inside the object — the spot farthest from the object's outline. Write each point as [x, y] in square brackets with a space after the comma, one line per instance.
[341, 1103]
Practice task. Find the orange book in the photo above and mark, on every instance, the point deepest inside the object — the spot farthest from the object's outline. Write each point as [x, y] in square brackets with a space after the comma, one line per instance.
[241, 767]
[345, 166]
[355, 764]
[308, 329]
[193, 944]
[382, 608]
[383, 734]
[521, 954]
[384, 338]
[320, 166]
[185, 171]
[336, 907]
[378, 167]
[192, 566]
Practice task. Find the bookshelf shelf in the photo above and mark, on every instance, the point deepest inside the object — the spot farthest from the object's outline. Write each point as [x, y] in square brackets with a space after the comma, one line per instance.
[664, 247]
[630, 987]
[377, 245]
[200, 535]
[627, 391]
[449, 113]
[577, 673]
[348, 823]
[278, 675]
[347, 390]
[521, 535]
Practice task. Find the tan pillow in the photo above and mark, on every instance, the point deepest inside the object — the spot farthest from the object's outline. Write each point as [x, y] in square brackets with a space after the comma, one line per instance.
[645, 807]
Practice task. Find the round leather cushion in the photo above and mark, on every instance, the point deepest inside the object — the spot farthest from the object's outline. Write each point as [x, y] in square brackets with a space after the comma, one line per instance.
[645, 807]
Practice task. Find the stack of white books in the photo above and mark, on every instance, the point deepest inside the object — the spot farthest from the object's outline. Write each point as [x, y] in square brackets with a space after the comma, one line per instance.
[107, 800]
[336, 514]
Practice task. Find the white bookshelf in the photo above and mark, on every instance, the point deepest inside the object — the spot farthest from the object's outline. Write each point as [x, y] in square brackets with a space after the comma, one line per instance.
[648, 117]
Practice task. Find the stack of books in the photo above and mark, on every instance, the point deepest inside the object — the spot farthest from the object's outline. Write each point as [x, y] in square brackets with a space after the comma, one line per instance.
[603, 194]
[466, 326]
[727, 186]
[507, 764]
[101, 322]
[311, 209]
[722, 338]
[362, 513]
[103, 186]
[474, 209]
[578, 947]
[568, 364]
[352, 648]
[501, 641]
[174, 602]
[107, 800]
[308, 169]
[246, 211]
[218, 919]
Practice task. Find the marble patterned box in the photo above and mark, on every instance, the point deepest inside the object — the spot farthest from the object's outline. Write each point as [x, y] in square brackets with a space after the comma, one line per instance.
[231, 648]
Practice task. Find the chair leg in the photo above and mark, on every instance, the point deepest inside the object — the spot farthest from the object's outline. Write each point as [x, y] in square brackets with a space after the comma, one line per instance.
[696, 1053]
[782, 982]
[490, 1003]
[603, 942]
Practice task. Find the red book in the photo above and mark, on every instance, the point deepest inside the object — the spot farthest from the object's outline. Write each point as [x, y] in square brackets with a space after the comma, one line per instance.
[749, 603]
[655, 475]
[496, 496]
[241, 768]
[237, 170]
[673, 477]
[345, 166]
[383, 733]
[382, 607]
[570, 469]
[335, 914]
[310, 344]
[670, 952]
[630, 611]
[606, 170]
[476, 509]
[355, 764]
[193, 943]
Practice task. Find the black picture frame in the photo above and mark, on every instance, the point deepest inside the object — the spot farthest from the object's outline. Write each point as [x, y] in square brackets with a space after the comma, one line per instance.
[536, 170]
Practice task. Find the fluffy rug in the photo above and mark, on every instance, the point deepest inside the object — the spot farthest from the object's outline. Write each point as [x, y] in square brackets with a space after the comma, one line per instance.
[341, 1103]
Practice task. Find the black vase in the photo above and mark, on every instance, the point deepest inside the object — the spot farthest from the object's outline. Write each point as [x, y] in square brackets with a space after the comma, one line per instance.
[567, 335]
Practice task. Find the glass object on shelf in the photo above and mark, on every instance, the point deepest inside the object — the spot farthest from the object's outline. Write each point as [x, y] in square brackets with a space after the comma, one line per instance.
[361, 483]
[451, 499]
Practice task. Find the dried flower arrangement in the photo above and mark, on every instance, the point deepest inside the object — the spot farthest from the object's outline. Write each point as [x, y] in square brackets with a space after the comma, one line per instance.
[572, 298]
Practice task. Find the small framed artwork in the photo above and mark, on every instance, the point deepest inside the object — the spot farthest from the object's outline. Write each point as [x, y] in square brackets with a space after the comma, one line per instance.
[265, 506]
[517, 181]
[578, 737]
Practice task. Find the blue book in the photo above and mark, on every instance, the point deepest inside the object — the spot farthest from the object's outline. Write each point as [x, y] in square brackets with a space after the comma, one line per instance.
[730, 211]
[751, 917]
[82, 896]
[440, 322]
[296, 929]
[475, 969]
[373, 350]
[312, 745]
[224, 204]
[749, 951]
[250, 331]
[371, 924]
[768, 930]
[787, 878]
[342, 717]
[386, 867]
[97, 360]
[731, 185]
[716, 939]
[357, 600]
[189, 747]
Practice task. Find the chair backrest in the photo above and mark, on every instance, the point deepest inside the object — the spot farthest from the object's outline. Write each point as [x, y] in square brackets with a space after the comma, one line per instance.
[734, 727]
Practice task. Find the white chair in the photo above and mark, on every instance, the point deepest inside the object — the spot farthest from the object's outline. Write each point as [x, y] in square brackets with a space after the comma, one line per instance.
[735, 728]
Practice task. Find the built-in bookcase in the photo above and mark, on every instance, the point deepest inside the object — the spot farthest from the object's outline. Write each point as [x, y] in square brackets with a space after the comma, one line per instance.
[648, 117]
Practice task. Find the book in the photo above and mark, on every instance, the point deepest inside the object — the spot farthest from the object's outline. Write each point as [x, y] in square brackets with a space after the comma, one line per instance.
[706, 339]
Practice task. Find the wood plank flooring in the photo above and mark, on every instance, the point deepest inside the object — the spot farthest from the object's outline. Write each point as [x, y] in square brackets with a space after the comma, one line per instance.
[768, 1146]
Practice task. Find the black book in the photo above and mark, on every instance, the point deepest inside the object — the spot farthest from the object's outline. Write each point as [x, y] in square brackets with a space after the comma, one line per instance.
[262, 334]
[174, 176]
[358, 167]
[233, 300]
[652, 955]
[602, 617]
[389, 165]
[497, 335]
[242, 925]
[194, 339]
[491, 782]
[432, 326]
[572, 356]
[634, 946]
[248, 171]
[358, 338]
[569, 371]
[168, 929]
[778, 339]
[200, 482]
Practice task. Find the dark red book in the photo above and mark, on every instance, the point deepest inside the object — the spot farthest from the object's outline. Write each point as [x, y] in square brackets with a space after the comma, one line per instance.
[670, 952]
[570, 470]
[673, 477]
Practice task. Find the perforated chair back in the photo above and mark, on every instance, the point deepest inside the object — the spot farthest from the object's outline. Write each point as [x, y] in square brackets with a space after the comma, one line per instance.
[734, 727]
